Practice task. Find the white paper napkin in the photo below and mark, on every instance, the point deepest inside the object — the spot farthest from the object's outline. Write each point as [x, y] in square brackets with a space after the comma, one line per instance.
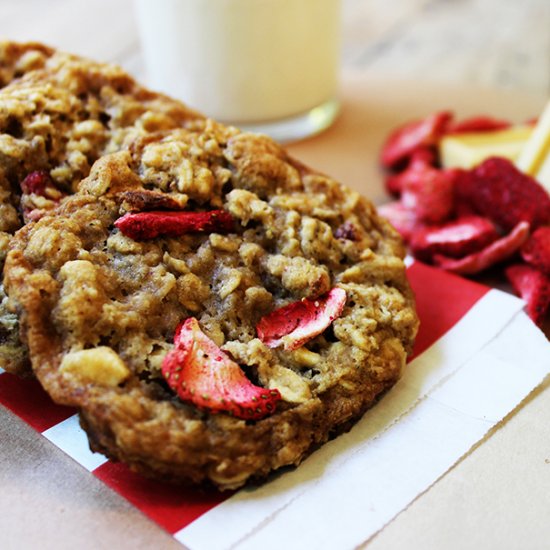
[449, 398]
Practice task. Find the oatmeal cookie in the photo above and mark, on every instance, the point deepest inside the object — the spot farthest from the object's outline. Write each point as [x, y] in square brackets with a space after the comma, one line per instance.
[214, 309]
[58, 114]
[18, 59]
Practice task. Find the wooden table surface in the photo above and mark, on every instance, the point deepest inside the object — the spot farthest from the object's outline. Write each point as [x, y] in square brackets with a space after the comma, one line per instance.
[495, 45]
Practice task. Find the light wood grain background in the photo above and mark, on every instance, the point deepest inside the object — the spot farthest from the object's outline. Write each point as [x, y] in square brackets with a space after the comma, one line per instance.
[492, 43]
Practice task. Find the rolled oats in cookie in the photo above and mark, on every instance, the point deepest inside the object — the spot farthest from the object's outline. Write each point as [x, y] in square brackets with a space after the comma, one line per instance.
[58, 114]
[214, 309]
[17, 59]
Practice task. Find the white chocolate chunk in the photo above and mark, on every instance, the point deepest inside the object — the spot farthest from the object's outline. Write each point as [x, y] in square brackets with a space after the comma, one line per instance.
[305, 357]
[537, 149]
[469, 149]
[543, 175]
[292, 387]
[101, 365]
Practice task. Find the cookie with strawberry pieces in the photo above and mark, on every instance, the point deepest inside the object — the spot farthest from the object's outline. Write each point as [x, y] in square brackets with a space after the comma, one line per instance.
[213, 308]
[59, 113]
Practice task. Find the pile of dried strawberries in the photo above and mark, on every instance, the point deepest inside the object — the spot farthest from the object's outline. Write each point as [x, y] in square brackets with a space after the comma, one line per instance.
[466, 221]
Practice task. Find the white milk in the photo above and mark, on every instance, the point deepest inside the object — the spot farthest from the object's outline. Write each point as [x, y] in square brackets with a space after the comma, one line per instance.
[243, 61]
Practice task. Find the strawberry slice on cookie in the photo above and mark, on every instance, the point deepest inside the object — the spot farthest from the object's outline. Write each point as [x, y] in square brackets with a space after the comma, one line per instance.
[201, 373]
[293, 325]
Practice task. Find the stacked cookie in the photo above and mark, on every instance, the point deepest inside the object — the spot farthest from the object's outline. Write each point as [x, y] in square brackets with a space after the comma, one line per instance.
[58, 115]
[214, 309]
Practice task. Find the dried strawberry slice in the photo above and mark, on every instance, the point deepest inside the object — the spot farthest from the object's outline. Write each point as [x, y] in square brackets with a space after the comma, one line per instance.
[36, 182]
[402, 219]
[429, 192]
[39, 183]
[294, 324]
[498, 190]
[456, 238]
[419, 159]
[533, 286]
[394, 183]
[149, 225]
[497, 251]
[536, 251]
[481, 123]
[201, 373]
[463, 206]
[424, 155]
[403, 141]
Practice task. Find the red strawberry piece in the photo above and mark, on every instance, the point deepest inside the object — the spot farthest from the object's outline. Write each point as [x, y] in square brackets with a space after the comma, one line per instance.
[37, 183]
[402, 219]
[149, 225]
[405, 140]
[201, 373]
[498, 190]
[536, 251]
[479, 123]
[462, 205]
[429, 192]
[35, 214]
[394, 183]
[294, 324]
[457, 238]
[496, 252]
[419, 159]
[424, 155]
[533, 286]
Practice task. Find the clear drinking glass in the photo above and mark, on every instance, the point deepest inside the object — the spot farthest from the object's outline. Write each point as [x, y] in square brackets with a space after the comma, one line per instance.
[268, 66]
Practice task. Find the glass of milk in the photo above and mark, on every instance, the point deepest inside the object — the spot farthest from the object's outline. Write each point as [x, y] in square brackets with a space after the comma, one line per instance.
[267, 66]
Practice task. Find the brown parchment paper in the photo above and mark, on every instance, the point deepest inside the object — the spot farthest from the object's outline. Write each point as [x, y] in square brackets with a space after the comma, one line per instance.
[496, 497]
